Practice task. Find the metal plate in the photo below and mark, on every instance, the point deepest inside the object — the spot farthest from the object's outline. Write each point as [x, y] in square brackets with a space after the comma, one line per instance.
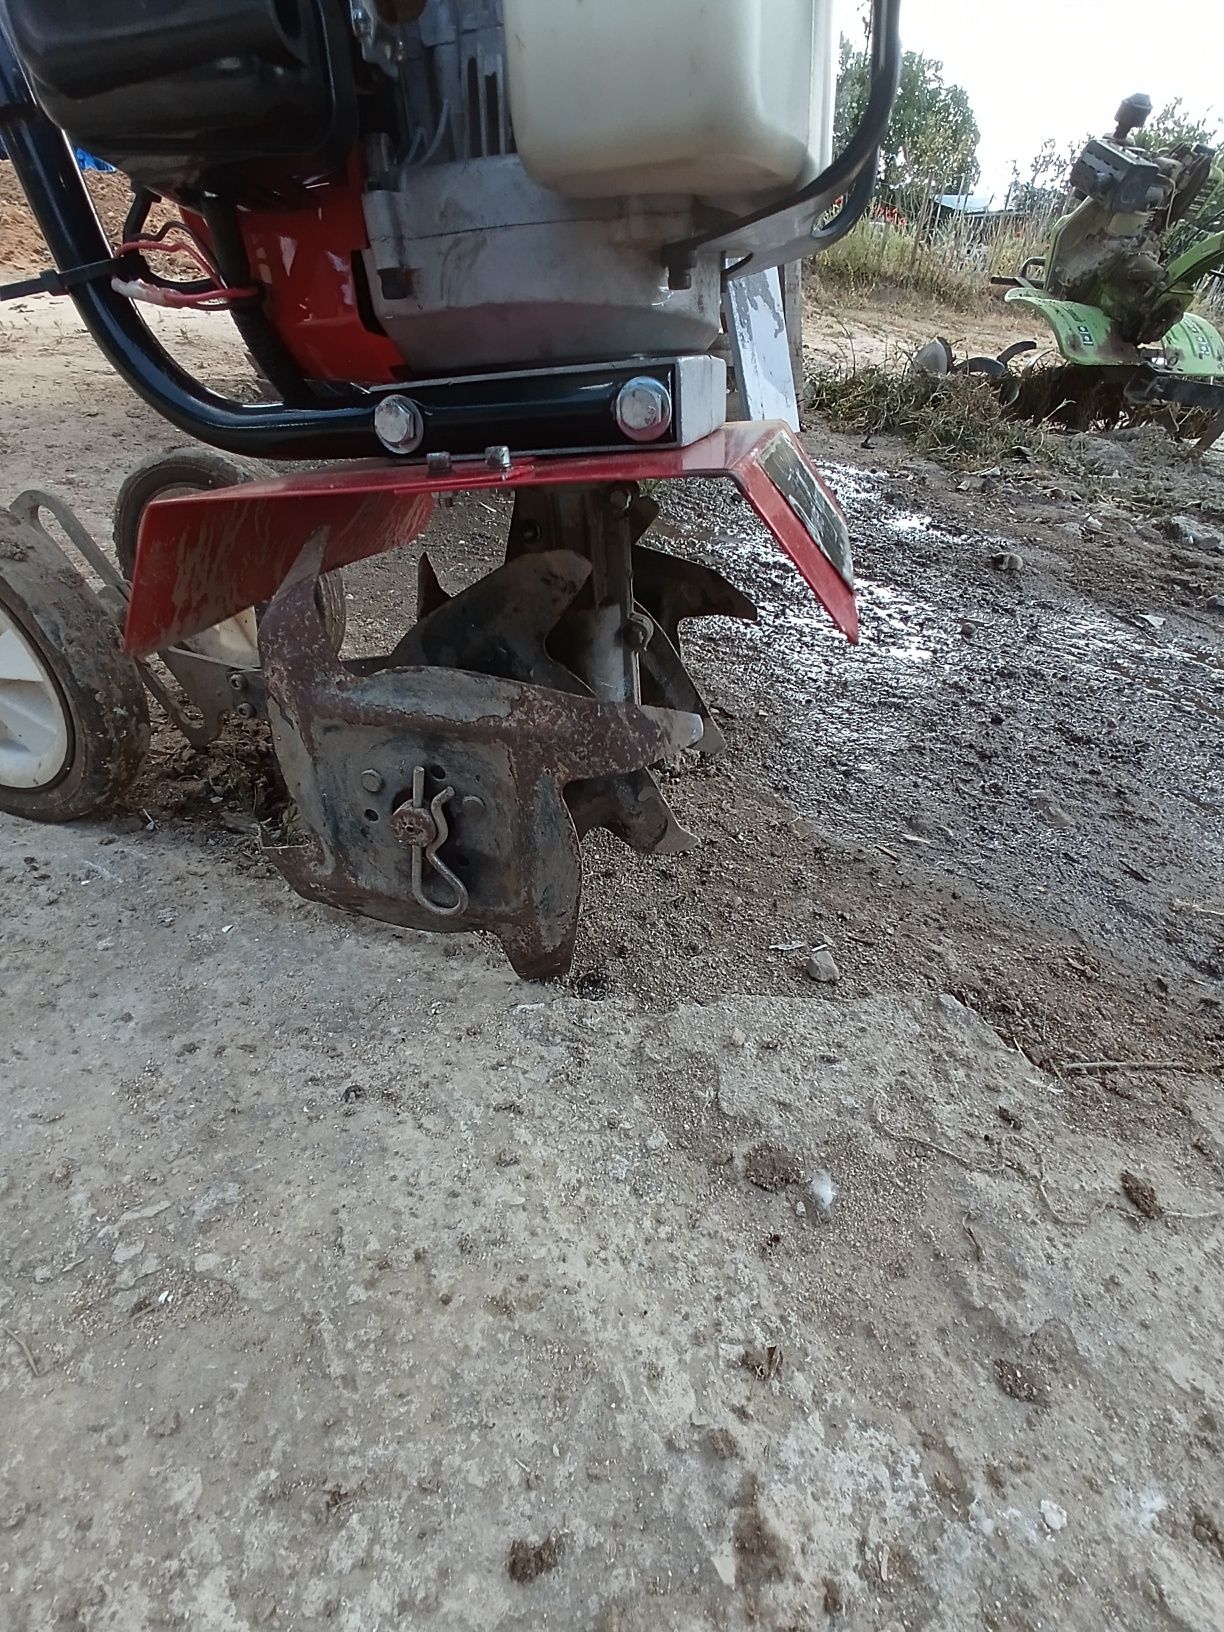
[810, 499]
[206, 556]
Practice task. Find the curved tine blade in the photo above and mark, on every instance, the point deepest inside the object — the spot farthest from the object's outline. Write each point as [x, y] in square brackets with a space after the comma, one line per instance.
[933, 358]
[1017, 349]
[430, 594]
[498, 625]
[671, 590]
[643, 514]
[292, 634]
[632, 808]
[539, 941]
[668, 684]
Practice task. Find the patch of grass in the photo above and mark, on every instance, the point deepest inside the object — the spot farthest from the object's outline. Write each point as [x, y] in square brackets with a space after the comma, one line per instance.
[953, 266]
[955, 419]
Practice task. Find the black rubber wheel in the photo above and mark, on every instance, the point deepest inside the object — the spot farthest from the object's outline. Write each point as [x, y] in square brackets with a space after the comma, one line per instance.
[194, 470]
[74, 725]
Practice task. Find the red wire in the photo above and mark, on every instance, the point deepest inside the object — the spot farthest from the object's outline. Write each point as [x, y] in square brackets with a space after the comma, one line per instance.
[202, 297]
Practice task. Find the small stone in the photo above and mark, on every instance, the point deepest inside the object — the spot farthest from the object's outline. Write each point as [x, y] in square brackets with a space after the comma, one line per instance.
[1054, 1516]
[823, 1191]
[1178, 528]
[738, 1038]
[1051, 810]
[166, 1425]
[822, 968]
[968, 629]
[1007, 561]
[1214, 603]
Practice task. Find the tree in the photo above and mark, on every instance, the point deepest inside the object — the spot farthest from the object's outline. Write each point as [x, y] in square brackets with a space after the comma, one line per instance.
[932, 137]
[1044, 189]
[1172, 126]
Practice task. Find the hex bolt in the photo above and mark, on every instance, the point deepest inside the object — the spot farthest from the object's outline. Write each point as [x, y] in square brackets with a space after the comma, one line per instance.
[245, 711]
[643, 409]
[371, 781]
[498, 457]
[238, 682]
[620, 500]
[399, 424]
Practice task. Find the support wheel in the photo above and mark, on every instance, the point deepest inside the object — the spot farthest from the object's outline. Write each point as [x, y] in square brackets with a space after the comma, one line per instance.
[198, 470]
[74, 727]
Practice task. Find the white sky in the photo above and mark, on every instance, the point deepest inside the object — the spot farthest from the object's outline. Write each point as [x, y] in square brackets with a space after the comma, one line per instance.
[1037, 68]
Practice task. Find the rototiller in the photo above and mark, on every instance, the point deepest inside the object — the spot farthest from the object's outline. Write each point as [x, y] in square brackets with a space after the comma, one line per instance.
[469, 244]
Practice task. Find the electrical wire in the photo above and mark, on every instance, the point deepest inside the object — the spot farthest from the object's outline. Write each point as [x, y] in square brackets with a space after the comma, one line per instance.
[176, 238]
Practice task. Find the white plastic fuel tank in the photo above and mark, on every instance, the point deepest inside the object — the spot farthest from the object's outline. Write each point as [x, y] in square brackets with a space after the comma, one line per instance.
[718, 98]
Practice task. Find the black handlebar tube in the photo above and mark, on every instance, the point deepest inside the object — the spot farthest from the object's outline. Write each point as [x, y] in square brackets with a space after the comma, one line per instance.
[791, 229]
[47, 170]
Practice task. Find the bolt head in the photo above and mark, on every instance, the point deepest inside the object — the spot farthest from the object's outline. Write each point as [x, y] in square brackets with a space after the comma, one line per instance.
[414, 826]
[399, 424]
[371, 781]
[245, 711]
[498, 457]
[644, 409]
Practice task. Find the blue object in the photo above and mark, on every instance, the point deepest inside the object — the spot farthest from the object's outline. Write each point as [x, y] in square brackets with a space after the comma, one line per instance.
[85, 161]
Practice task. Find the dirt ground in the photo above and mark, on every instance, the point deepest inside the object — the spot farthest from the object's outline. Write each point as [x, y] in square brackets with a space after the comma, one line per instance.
[347, 1282]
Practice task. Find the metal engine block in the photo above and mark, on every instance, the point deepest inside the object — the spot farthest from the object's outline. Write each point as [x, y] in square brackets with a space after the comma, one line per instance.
[473, 264]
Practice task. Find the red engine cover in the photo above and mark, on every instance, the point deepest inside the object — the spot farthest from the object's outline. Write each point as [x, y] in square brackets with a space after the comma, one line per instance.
[306, 259]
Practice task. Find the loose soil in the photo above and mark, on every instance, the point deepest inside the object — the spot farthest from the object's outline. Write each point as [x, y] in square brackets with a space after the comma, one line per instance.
[348, 1282]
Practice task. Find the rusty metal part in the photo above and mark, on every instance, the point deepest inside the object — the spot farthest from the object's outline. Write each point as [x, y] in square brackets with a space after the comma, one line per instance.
[601, 638]
[497, 753]
[671, 590]
[633, 809]
[206, 556]
[430, 594]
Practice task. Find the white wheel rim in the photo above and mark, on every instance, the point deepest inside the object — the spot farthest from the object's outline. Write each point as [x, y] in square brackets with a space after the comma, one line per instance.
[34, 728]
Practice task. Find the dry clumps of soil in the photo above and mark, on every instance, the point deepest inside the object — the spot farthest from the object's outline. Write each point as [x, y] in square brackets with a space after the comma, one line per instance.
[771, 1168]
[1142, 1195]
[528, 1560]
[22, 245]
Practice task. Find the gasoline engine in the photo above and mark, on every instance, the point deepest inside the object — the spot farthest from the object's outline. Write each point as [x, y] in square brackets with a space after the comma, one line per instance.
[469, 244]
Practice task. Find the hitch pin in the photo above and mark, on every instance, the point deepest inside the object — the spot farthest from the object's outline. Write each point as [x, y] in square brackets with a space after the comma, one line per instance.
[425, 828]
